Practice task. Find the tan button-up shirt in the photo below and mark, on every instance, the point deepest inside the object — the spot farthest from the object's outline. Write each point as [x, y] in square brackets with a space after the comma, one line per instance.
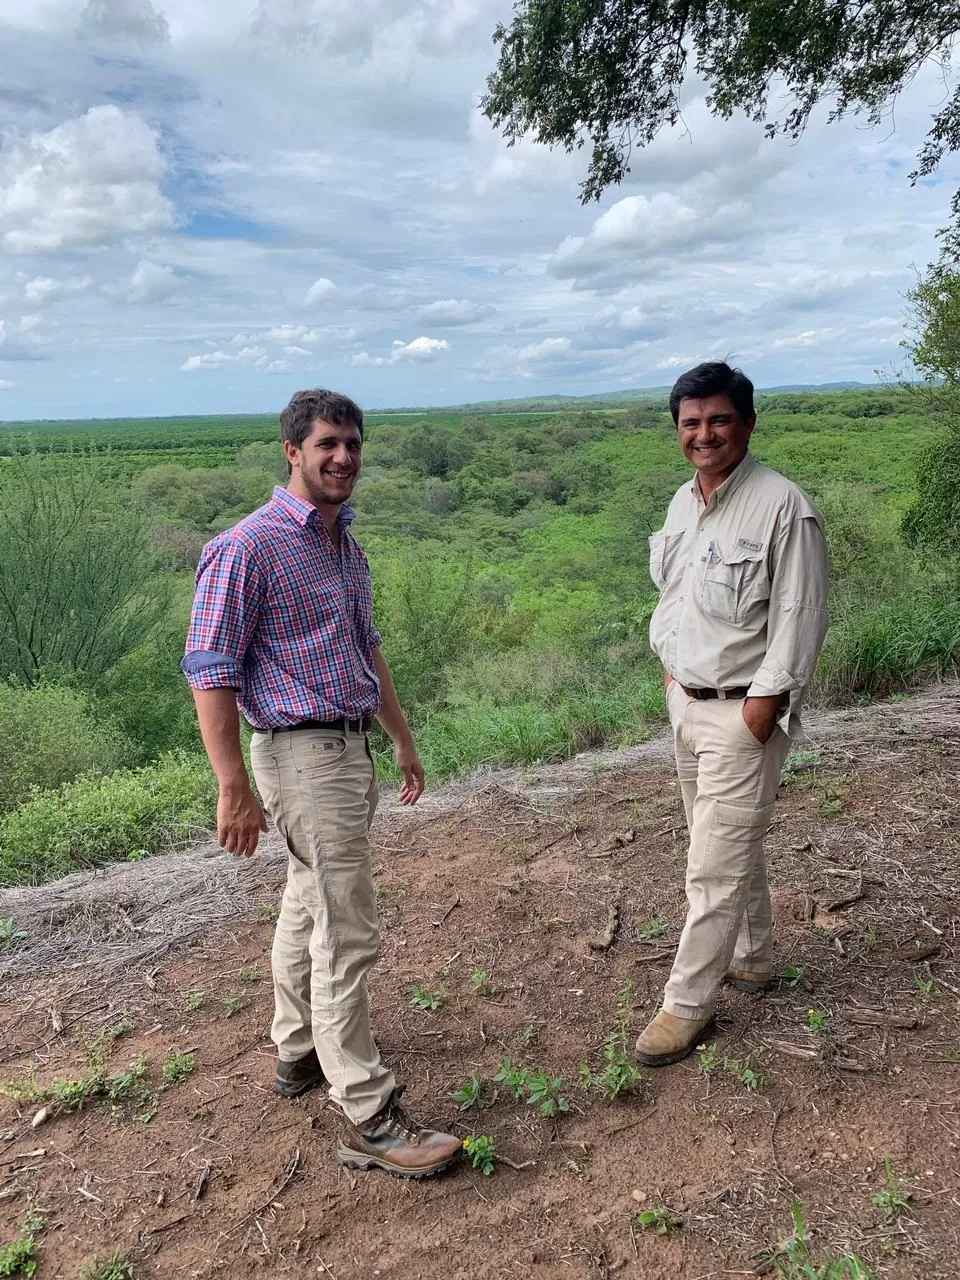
[743, 587]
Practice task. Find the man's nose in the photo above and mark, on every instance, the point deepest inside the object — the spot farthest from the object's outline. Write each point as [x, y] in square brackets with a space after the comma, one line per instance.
[341, 455]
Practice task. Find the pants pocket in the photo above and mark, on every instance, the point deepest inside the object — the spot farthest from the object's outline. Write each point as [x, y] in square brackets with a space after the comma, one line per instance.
[734, 840]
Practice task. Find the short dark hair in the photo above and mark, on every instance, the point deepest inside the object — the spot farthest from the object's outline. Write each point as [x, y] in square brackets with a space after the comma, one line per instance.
[715, 378]
[305, 407]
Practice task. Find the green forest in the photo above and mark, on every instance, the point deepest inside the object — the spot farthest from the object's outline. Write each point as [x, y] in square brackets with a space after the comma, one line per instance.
[510, 563]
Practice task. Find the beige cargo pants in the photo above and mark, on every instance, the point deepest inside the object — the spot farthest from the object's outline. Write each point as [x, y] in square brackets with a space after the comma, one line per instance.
[320, 788]
[729, 784]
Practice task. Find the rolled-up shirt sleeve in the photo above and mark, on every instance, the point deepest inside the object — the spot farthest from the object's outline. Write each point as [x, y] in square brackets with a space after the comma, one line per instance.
[797, 619]
[225, 613]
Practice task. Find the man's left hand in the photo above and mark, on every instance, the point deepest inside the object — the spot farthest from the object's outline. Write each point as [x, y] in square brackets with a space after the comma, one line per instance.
[760, 716]
[408, 762]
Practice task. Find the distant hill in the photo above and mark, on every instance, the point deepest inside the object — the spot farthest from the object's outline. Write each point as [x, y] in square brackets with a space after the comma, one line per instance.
[602, 399]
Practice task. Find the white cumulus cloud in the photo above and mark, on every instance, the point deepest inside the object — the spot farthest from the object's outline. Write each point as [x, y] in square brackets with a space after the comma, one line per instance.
[5, 385]
[320, 291]
[420, 349]
[43, 289]
[452, 311]
[87, 181]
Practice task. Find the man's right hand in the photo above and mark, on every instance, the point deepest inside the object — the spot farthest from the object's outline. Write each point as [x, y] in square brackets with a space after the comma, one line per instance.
[240, 819]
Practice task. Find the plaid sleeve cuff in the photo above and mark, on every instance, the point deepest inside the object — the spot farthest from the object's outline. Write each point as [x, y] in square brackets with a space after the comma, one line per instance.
[211, 670]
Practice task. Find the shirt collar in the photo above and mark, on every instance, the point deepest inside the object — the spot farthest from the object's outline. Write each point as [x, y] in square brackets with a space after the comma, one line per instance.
[730, 485]
[305, 513]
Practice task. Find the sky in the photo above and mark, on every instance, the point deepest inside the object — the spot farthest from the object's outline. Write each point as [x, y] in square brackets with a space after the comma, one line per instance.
[206, 206]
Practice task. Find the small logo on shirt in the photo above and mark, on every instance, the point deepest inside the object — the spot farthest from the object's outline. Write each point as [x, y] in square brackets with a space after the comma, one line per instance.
[748, 545]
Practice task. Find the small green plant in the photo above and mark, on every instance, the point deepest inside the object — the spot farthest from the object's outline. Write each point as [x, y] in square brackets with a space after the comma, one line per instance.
[425, 999]
[529, 1035]
[894, 1197]
[818, 1020]
[743, 1073]
[194, 1002]
[19, 1257]
[660, 1220]
[619, 1076]
[482, 1153]
[176, 1068]
[793, 974]
[926, 986]
[470, 1094]
[709, 1062]
[483, 983]
[9, 937]
[231, 1004]
[250, 973]
[801, 762]
[269, 912]
[651, 930]
[116, 1267]
[544, 1092]
[514, 1077]
[793, 1260]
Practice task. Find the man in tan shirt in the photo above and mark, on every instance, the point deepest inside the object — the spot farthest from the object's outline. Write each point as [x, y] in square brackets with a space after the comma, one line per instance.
[741, 566]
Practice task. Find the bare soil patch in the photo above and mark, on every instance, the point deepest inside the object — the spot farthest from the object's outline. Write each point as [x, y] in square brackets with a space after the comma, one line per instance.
[514, 875]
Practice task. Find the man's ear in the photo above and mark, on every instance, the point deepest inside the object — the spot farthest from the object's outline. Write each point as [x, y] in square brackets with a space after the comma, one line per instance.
[292, 452]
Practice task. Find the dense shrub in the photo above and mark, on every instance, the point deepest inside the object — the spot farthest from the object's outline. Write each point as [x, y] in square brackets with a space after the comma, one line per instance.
[52, 735]
[94, 821]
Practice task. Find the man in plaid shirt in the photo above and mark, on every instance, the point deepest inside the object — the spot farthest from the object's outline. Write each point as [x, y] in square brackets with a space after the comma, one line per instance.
[282, 625]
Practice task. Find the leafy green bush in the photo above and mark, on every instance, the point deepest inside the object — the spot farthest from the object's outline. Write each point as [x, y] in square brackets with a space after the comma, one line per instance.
[54, 734]
[99, 820]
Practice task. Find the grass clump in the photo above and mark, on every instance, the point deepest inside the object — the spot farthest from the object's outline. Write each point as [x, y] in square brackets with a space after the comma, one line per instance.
[194, 1002]
[619, 1076]
[10, 935]
[19, 1257]
[122, 1090]
[116, 1267]
[176, 1068]
[660, 1220]
[794, 1259]
[894, 1197]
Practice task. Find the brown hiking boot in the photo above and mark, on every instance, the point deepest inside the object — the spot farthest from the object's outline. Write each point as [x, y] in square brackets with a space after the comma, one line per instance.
[390, 1140]
[753, 983]
[294, 1078]
[667, 1039]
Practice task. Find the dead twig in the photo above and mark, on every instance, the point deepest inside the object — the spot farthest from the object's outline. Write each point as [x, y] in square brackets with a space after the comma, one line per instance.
[877, 1018]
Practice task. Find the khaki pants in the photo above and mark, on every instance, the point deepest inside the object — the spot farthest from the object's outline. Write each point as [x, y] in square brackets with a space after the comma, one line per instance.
[320, 788]
[729, 783]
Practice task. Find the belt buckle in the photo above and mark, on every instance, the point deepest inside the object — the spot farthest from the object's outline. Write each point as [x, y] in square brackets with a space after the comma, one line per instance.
[721, 694]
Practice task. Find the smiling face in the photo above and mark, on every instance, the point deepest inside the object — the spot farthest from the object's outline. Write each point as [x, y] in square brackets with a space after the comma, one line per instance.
[714, 437]
[325, 468]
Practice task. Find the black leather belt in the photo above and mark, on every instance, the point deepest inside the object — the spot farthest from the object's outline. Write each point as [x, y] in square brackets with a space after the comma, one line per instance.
[340, 725]
[704, 695]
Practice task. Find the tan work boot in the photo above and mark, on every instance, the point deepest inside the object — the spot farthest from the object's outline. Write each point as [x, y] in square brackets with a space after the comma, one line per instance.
[667, 1039]
[754, 983]
[390, 1140]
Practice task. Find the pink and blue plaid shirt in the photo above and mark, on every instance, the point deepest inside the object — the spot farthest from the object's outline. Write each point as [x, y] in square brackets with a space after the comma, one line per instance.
[285, 617]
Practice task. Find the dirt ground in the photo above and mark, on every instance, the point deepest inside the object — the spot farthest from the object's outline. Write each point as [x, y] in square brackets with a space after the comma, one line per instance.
[512, 876]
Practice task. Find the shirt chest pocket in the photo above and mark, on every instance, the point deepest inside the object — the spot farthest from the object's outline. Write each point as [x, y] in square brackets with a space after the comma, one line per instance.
[664, 549]
[733, 585]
